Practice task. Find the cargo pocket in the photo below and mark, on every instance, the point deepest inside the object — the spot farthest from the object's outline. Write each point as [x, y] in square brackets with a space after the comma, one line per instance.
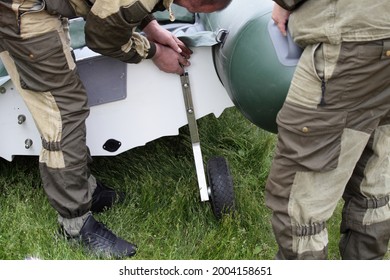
[40, 62]
[310, 138]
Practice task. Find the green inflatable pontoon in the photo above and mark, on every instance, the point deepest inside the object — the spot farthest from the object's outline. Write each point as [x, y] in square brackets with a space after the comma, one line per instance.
[253, 60]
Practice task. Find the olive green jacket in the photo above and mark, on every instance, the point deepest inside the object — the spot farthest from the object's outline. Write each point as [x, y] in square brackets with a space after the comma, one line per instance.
[336, 21]
[112, 26]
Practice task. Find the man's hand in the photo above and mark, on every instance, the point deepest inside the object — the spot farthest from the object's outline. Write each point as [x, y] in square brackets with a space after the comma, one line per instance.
[155, 33]
[280, 17]
[168, 60]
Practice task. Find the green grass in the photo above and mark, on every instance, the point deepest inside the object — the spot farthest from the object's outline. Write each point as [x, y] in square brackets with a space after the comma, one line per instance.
[163, 213]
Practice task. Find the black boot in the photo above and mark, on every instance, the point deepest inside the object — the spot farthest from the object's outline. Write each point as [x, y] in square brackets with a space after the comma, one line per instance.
[102, 242]
[104, 197]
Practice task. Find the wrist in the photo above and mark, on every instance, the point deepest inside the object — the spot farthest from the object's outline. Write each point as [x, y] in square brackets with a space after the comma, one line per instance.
[151, 27]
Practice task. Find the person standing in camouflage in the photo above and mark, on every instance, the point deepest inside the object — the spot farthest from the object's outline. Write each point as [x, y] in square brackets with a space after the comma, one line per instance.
[334, 130]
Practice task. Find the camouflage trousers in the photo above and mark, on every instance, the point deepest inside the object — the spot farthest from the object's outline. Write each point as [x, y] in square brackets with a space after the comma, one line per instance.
[36, 53]
[334, 147]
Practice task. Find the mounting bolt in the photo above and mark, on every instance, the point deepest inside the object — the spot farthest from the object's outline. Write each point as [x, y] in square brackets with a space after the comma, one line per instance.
[21, 119]
[2, 90]
[28, 143]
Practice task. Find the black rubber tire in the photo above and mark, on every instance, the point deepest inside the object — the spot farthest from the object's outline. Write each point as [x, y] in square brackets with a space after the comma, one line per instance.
[220, 187]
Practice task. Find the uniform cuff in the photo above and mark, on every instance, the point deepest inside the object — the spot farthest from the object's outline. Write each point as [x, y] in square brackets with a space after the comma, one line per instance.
[146, 21]
[152, 50]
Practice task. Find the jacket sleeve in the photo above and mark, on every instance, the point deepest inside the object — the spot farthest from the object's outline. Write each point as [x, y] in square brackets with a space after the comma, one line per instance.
[289, 5]
[110, 30]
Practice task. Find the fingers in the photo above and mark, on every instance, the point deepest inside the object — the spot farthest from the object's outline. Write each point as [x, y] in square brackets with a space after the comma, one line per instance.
[173, 43]
[280, 17]
[179, 69]
[183, 56]
[167, 60]
[282, 28]
[170, 40]
[183, 61]
[281, 24]
[185, 51]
